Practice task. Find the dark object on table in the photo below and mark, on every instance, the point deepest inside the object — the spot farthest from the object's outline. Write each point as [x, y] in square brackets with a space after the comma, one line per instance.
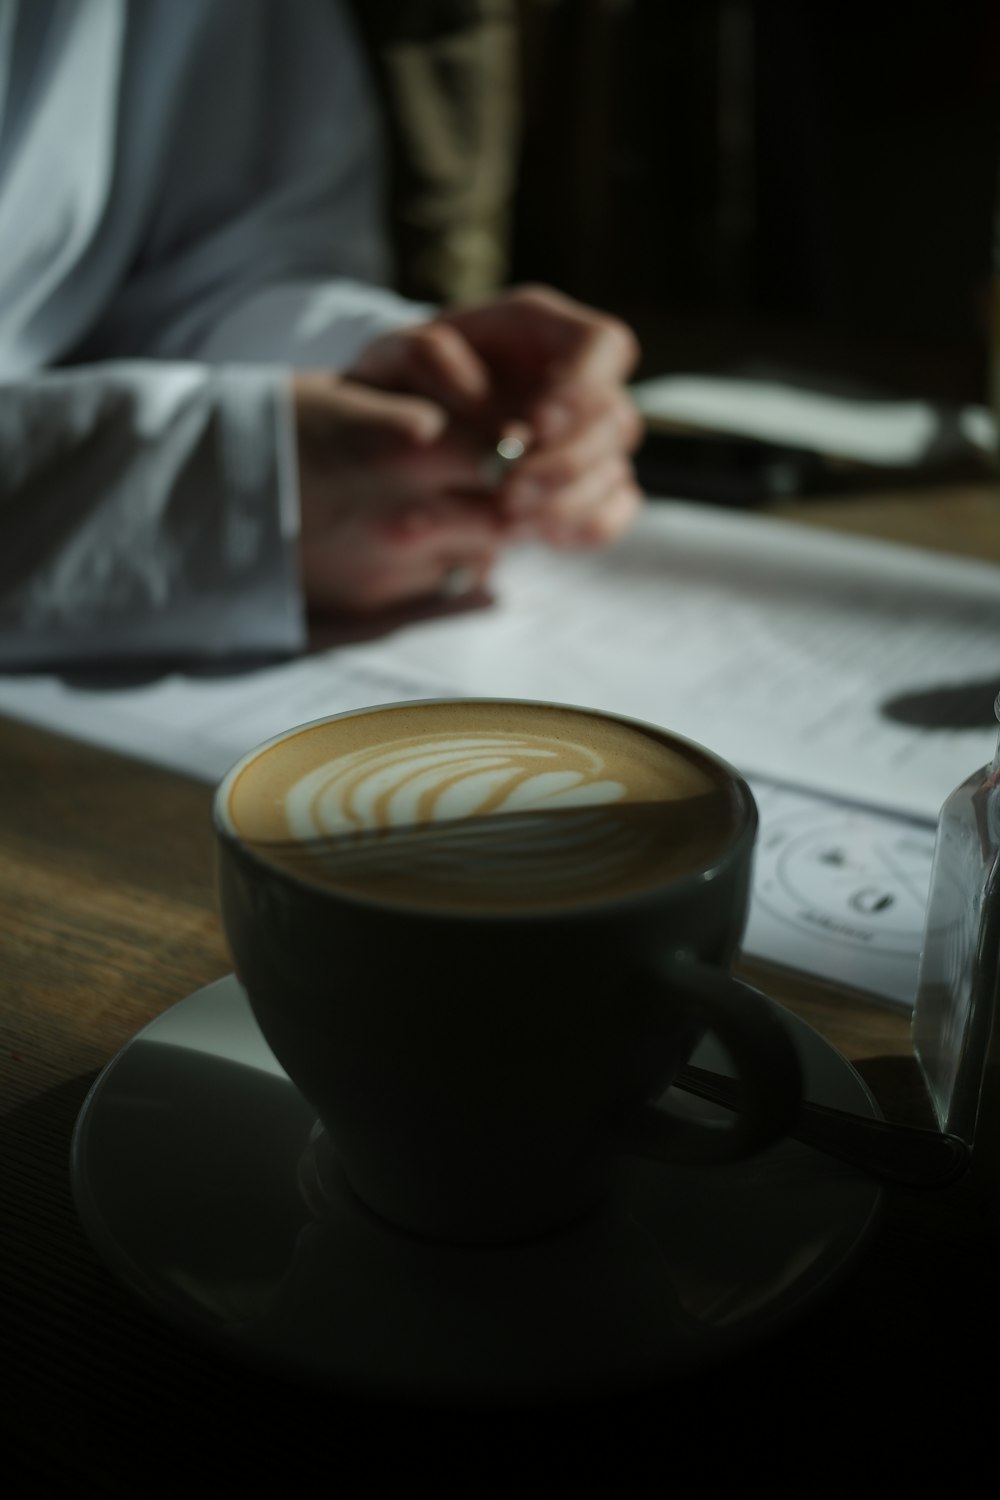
[961, 705]
[723, 470]
[729, 470]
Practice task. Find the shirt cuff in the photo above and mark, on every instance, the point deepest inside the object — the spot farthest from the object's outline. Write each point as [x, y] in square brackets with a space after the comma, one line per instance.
[187, 546]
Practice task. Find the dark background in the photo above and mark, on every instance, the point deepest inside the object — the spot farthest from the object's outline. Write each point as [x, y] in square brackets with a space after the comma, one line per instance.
[789, 185]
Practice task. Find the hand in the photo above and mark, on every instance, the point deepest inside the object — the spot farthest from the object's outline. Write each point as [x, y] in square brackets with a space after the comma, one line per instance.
[392, 500]
[550, 370]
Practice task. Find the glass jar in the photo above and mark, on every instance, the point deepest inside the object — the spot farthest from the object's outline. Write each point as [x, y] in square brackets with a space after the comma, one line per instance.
[956, 1017]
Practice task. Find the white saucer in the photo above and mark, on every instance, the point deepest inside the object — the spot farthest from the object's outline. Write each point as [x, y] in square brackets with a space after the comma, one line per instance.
[185, 1162]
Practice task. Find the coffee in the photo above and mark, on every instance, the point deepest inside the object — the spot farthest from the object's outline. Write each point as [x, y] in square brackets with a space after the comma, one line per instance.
[482, 806]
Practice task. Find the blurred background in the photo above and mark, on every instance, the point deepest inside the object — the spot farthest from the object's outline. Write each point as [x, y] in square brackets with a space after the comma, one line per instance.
[803, 191]
[811, 181]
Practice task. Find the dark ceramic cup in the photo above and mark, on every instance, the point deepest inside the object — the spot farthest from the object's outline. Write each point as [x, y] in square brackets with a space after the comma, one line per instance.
[481, 936]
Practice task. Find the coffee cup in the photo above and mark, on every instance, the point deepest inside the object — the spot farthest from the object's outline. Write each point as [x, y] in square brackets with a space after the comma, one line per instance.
[481, 937]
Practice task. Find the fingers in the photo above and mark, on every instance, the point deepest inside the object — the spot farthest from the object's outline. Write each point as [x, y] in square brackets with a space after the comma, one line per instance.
[443, 528]
[528, 356]
[395, 442]
[401, 475]
[591, 513]
[391, 583]
[429, 359]
[539, 335]
[581, 490]
[379, 524]
[587, 345]
[359, 423]
[376, 561]
[598, 523]
[583, 420]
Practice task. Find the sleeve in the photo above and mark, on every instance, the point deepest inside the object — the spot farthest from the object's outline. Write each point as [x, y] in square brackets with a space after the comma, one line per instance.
[269, 245]
[148, 511]
[308, 325]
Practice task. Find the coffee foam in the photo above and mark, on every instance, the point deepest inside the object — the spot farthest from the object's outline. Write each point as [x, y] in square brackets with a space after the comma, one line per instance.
[482, 805]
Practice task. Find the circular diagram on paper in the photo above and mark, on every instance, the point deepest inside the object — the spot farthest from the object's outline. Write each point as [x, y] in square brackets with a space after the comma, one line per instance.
[861, 879]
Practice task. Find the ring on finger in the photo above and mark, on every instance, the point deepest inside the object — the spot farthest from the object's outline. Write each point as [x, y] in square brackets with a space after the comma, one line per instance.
[458, 581]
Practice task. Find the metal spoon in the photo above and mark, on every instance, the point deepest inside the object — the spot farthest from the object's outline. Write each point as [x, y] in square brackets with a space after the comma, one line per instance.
[904, 1154]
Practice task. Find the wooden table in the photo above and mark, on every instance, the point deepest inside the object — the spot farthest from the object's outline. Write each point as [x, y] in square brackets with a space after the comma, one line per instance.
[106, 889]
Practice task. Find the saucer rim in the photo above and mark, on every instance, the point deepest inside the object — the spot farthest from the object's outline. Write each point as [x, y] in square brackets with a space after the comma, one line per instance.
[191, 1320]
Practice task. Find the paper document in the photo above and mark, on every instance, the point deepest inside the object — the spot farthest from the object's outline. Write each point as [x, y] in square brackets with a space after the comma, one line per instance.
[815, 663]
[801, 656]
[888, 433]
[840, 892]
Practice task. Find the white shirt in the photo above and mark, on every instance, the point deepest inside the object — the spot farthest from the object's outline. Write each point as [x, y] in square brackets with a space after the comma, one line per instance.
[190, 199]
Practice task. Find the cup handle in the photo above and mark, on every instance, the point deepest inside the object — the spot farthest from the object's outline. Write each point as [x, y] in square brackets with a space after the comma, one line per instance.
[768, 1074]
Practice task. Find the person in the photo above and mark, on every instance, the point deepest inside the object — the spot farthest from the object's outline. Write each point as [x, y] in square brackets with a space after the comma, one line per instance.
[215, 414]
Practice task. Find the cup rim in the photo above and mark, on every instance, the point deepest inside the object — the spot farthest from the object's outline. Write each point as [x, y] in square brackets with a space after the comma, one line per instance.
[226, 831]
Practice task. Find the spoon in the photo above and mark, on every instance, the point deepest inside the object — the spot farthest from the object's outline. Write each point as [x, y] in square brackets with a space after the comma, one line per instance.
[906, 1154]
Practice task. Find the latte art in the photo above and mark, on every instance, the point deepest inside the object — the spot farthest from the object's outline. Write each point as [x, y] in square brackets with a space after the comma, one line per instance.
[439, 779]
[454, 805]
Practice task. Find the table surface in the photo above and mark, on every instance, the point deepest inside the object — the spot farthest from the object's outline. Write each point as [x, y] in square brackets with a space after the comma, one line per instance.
[106, 885]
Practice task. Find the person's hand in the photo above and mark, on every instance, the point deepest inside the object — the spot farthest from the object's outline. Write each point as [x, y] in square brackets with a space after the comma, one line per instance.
[393, 506]
[536, 364]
